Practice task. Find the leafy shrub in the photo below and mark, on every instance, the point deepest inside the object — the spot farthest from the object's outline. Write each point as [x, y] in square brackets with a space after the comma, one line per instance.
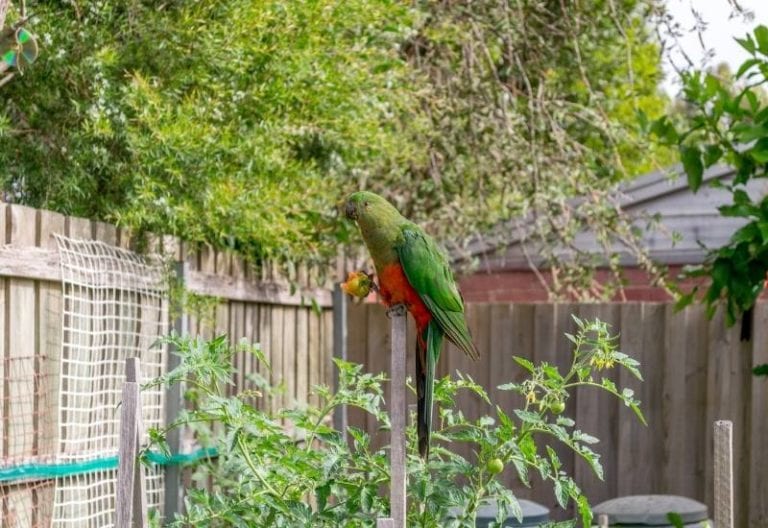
[241, 123]
[726, 122]
[308, 474]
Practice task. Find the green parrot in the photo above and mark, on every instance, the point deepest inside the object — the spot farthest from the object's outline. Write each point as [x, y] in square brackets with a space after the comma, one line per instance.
[414, 272]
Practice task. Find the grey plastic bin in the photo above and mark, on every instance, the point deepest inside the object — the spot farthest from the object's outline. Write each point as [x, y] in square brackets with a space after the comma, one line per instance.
[534, 515]
[637, 511]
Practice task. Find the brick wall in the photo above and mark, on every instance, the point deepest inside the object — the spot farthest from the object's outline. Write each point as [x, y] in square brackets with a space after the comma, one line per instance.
[524, 286]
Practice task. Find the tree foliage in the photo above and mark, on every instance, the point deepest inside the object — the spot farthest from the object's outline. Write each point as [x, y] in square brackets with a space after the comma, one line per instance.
[234, 123]
[533, 104]
[726, 121]
[242, 123]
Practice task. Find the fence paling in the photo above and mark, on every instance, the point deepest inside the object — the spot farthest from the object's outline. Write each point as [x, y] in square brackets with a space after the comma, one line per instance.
[758, 503]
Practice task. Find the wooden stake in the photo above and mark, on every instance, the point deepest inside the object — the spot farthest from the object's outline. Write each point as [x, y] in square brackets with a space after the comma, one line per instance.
[174, 405]
[397, 416]
[131, 499]
[340, 416]
[724, 474]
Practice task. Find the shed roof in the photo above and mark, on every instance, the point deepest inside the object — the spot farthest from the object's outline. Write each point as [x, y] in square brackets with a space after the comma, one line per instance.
[694, 216]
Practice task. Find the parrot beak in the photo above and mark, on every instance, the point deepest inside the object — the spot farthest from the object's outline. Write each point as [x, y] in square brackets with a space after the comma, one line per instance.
[351, 210]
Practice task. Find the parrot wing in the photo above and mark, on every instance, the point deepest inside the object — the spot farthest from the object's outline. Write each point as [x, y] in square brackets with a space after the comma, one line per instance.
[427, 270]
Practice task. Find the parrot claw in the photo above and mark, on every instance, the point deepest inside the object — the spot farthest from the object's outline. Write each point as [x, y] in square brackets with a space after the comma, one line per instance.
[397, 310]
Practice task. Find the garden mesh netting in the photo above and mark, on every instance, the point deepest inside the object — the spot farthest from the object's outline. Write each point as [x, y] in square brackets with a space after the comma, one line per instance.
[59, 403]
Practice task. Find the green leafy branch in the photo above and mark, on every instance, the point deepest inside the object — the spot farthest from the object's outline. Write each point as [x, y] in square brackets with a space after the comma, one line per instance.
[726, 121]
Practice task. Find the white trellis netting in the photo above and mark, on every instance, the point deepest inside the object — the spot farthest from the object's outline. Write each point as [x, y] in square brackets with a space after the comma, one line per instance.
[115, 306]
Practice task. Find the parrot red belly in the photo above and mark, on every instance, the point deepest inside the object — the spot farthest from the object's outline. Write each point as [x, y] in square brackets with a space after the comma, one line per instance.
[395, 289]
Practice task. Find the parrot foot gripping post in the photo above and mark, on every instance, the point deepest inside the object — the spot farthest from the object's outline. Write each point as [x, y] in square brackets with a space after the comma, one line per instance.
[397, 416]
[398, 310]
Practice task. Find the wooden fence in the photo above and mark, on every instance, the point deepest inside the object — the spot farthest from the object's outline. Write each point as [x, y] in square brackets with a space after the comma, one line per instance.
[262, 307]
[696, 371]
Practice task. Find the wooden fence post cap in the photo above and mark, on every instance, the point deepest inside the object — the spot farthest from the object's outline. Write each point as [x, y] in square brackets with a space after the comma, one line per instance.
[132, 370]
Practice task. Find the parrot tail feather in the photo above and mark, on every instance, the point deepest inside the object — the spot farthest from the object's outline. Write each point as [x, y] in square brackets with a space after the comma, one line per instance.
[427, 354]
[422, 428]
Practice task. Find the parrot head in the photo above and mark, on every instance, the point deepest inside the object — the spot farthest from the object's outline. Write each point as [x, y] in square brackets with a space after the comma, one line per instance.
[378, 220]
[366, 207]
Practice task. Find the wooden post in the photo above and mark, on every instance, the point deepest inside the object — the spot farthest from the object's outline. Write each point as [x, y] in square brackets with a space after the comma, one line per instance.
[724, 474]
[173, 495]
[340, 420]
[385, 523]
[131, 499]
[397, 416]
[602, 521]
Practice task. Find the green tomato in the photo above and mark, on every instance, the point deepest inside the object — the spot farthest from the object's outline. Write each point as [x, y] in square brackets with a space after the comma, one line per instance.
[557, 406]
[495, 466]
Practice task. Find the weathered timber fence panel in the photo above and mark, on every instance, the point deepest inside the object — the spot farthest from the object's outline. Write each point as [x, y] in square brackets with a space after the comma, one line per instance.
[259, 306]
[294, 335]
[696, 371]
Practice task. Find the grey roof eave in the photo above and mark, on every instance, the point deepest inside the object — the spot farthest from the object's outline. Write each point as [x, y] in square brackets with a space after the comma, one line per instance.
[632, 195]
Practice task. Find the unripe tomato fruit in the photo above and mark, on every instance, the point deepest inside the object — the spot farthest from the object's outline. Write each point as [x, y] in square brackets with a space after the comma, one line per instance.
[556, 407]
[495, 466]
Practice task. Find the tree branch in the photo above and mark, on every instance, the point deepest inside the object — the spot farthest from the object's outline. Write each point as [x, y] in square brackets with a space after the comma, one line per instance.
[4, 4]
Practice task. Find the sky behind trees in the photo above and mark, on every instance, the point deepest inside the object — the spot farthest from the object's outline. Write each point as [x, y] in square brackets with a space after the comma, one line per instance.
[722, 25]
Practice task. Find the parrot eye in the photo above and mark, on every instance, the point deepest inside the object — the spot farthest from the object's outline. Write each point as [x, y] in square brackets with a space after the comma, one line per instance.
[365, 204]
